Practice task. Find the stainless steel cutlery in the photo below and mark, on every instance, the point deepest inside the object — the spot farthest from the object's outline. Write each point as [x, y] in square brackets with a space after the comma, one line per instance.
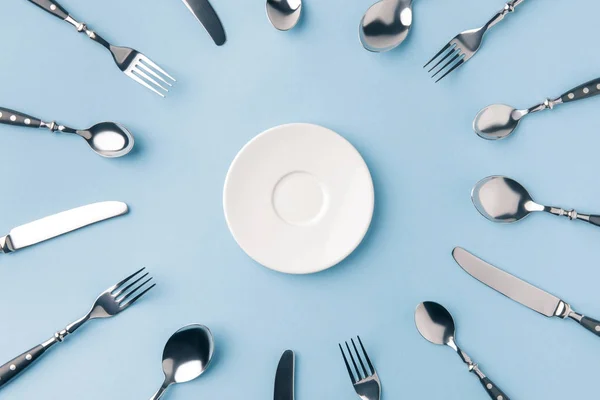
[107, 139]
[186, 356]
[285, 376]
[386, 24]
[59, 224]
[284, 14]
[364, 379]
[436, 325]
[111, 302]
[520, 291]
[500, 120]
[133, 63]
[502, 199]
[206, 14]
[464, 46]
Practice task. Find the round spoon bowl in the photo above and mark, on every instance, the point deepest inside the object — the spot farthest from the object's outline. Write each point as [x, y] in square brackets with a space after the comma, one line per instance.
[497, 121]
[385, 25]
[284, 14]
[188, 354]
[109, 139]
[435, 323]
[501, 199]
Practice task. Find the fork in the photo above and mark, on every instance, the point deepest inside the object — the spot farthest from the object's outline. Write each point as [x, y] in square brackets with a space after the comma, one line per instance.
[367, 384]
[133, 63]
[466, 44]
[111, 302]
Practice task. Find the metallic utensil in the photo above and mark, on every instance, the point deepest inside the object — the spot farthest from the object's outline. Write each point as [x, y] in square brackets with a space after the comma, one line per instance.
[284, 14]
[284, 377]
[111, 302]
[464, 46]
[521, 291]
[366, 384]
[385, 25]
[59, 224]
[206, 14]
[502, 199]
[133, 63]
[107, 139]
[436, 325]
[186, 356]
[500, 120]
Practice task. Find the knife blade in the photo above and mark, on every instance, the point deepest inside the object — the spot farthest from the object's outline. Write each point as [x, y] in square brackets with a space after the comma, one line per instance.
[520, 291]
[284, 378]
[206, 14]
[59, 224]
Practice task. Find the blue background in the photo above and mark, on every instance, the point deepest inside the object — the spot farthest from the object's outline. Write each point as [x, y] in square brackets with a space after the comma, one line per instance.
[416, 138]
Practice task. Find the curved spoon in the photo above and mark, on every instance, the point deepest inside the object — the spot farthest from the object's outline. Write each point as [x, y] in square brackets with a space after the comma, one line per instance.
[502, 199]
[284, 14]
[385, 25]
[499, 120]
[186, 356]
[107, 139]
[436, 325]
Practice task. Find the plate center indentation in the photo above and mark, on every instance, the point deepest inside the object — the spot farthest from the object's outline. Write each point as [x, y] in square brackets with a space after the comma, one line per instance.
[299, 199]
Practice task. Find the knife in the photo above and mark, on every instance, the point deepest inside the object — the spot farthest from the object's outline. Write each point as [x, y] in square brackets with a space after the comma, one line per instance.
[58, 224]
[521, 291]
[206, 14]
[284, 378]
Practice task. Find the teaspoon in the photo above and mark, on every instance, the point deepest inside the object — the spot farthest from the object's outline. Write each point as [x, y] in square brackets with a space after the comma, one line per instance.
[436, 325]
[501, 199]
[186, 356]
[499, 120]
[284, 14]
[385, 25]
[107, 139]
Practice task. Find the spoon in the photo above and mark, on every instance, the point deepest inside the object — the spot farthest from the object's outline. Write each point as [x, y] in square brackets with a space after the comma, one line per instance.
[284, 14]
[499, 120]
[186, 356]
[385, 25]
[107, 139]
[436, 325]
[501, 199]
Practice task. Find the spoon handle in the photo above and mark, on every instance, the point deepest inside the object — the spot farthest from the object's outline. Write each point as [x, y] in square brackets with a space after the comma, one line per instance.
[588, 89]
[160, 392]
[492, 390]
[11, 117]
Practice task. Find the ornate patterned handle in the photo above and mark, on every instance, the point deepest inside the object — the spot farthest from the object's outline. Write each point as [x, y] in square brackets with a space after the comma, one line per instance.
[17, 365]
[492, 390]
[52, 7]
[11, 117]
[588, 89]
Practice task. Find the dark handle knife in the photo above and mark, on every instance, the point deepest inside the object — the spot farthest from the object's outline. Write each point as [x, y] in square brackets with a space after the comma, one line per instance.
[206, 14]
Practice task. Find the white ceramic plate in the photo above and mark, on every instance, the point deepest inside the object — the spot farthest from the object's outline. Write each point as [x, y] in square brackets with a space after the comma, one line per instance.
[298, 198]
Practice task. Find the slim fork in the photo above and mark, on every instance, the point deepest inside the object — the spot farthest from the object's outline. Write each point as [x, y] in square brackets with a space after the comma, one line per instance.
[464, 45]
[365, 380]
[111, 302]
[133, 63]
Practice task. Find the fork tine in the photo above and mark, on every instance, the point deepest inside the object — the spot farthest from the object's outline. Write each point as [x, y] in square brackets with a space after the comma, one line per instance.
[151, 71]
[141, 82]
[452, 51]
[133, 291]
[446, 47]
[347, 365]
[359, 358]
[147, 77]
[112, 288]
[366, 355]
[153, 65]
[453, 59]
[358, 375]
[458, 64]
[136, 298]
[121, 291]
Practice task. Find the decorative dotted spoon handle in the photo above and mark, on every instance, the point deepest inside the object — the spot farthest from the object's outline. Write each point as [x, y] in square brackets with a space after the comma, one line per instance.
[11, 117]
[588, 89]
[52, 7]
[492, 390]
[17, 365]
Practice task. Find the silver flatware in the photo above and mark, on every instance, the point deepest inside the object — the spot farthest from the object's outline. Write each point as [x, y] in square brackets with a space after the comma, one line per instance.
[502, 199]
[284, 14]
[284, 377]
[385, 25]
[107, 139]
[111, 302]
[206, 14]
[520, 291]
[133, 63]
[464, 46]
[500, 120]
[365, 380]
[436, 325]
[59, 224]
[186, 356]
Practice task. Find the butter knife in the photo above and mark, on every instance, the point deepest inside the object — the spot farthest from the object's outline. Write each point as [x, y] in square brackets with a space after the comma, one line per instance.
[206, 14]
[520, 291]
[284, 378]
[59, 224]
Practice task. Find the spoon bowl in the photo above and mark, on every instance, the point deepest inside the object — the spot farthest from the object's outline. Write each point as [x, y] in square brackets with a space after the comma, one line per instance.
[284, 14]
[385, 25]
[501, 199]
[435, 323]
[108, 139]
[497, 121]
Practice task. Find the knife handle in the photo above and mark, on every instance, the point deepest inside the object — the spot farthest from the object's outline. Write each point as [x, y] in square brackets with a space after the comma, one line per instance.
[52, 7]
[12, 117]
[17, 365]
[492, 390]
[594, 220]
[591, 325]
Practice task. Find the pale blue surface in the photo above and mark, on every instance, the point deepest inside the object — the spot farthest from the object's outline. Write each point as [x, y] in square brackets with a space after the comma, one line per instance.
[417, 140]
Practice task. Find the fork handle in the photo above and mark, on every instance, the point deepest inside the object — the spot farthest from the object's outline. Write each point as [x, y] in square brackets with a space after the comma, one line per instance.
[508, 8]
[19, 364]
[52, 7]
[12, 117]
[588, 89]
